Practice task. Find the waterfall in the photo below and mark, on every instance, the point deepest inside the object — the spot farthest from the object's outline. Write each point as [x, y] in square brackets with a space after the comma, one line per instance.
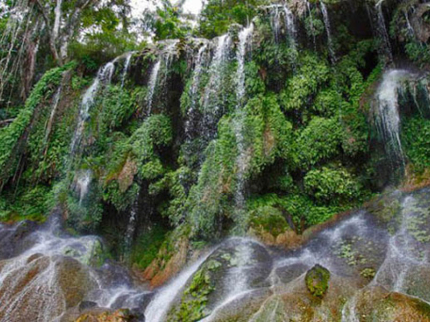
[131, 227]
[244, 36]
[30, 284]
[163, 300]
[276, 21]
[382, 33]
[82, 184]
[214, 87]
[291, 27]
[242, 159]
[165, 56]
[387, 112]
[215, 69]
[104, 76]
[50, 123]
[308, 6]
[126, 67]
[195, 84]
[328, 31]
[153, 79]
[406, 252]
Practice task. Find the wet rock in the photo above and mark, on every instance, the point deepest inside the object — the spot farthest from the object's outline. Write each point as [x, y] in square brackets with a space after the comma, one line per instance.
[170, 259]
[41, 287]
[317, 279]
[85, 305]
[236, 268]
[13, 238]
[121, 315]
[377, 304]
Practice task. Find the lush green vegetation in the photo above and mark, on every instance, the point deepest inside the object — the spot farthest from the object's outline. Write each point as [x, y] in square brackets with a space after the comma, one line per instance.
[298, 148]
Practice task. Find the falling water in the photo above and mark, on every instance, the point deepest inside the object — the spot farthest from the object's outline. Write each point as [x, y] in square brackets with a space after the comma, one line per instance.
[126, 67]
[162, 302]
[242, 159]
[328, 31]
[104, 76]
[215, 70]
[49, 124]
[30, 284]
[281, 14]
[83, 181]
[131, 226]
[152, 84]
[387, 111]
[166, 56]
[195, 84]
[308, 6]
[382, 32]
[214, 87]
[244, 37]
[406, 253]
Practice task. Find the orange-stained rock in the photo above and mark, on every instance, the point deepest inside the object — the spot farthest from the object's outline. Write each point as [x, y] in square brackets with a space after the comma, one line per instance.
[106, 316]
[162, 270]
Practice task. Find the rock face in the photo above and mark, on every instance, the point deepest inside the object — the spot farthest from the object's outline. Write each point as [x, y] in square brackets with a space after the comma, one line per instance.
[377, 304]
[42, 288]
[108, 316]
[369, 266]
[233, 269]
[317, 280]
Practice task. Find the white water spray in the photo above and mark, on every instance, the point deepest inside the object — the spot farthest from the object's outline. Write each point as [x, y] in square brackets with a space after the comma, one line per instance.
[328, 31]
[160, 305]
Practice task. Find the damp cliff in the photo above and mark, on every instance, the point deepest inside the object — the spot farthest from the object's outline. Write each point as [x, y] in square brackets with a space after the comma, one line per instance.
[273, 168]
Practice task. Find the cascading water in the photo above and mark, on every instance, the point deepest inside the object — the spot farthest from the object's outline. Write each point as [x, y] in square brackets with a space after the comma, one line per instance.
[126, 67]
[153, 79]
[32, 284]
[328, 31]
[131, 227]
[212, 97]
[407, 253]
[162, 302]
[382, 33]
[165, 57]
[49, 124]
[282, 15]
[387, 114]
[82, 184]
[104, 77]
[311, 19]
[242, 159]
[244, 37]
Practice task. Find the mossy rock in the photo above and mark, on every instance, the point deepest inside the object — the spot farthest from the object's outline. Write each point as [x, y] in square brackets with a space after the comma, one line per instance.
[236, 261]
[378, 304]
[317, 279]
[121, 315]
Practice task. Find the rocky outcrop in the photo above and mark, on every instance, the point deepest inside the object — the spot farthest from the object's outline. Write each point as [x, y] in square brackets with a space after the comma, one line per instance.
[317, 280]
[107, 316]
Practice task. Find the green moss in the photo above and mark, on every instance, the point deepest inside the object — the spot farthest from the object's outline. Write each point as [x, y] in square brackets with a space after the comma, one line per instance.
[147, 246]
[11, 135]
[317, 279]
[268, 219]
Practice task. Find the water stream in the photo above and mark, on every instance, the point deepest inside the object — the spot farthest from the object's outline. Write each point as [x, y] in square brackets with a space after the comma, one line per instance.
[328, 31]
[388, 114]
[157, 83]
[104, 77]
[200, 61]
[382, 32]
[160, 305]
[212, 95]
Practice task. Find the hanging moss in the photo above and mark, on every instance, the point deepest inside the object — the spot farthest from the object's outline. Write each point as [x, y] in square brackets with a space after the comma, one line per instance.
[13, 134]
